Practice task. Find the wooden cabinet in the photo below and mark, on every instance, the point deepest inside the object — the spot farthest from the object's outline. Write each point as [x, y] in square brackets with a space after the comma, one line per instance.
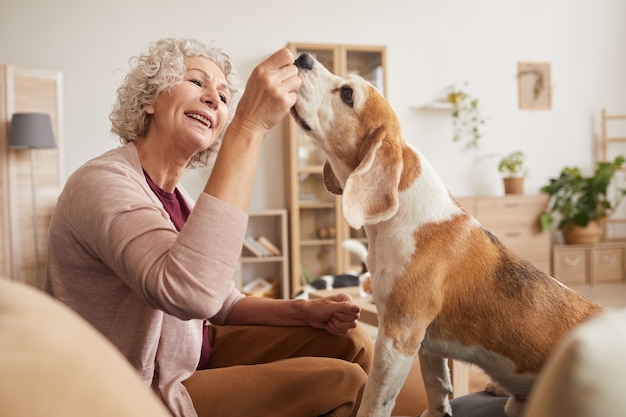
[317, 227]
[589, 264]
[271, 267]
[32, 91]
[513, 219]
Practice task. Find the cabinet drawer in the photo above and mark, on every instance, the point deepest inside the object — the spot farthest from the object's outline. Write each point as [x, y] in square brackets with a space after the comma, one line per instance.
[608, 264]
[528, 245]
[510, 211]
[571, 265]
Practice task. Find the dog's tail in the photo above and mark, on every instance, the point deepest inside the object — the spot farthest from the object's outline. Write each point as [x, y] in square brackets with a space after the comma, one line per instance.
[357, 248]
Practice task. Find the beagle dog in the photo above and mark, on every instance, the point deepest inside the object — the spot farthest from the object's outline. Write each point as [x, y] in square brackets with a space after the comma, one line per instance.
[444, 286]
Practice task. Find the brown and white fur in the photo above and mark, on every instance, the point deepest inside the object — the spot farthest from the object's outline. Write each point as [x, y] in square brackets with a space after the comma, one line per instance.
[444, 286]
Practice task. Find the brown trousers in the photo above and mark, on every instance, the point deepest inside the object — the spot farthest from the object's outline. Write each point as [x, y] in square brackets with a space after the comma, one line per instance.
[282, 372]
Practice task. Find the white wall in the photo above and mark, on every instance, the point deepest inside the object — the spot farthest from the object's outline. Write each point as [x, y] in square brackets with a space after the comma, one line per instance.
[431, 44]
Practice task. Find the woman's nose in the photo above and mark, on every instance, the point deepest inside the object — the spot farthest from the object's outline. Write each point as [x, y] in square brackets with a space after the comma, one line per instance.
[210, 97]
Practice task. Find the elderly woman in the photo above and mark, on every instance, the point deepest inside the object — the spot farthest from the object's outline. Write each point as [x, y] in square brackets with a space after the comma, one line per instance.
[152, 270]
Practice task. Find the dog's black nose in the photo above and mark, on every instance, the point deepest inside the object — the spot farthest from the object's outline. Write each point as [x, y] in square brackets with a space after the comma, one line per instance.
[304, 61]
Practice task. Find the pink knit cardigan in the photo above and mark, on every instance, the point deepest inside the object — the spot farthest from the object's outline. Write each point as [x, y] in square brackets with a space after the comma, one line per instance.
[116, 258]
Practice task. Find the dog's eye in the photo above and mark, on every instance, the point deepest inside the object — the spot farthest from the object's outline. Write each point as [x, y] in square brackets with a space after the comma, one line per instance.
[346, 95]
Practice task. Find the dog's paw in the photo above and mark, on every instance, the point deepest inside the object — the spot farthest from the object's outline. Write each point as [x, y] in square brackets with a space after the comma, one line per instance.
[494, 388]
[514, 407]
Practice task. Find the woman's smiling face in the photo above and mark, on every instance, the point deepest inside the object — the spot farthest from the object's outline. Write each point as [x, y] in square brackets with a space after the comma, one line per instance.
[194, 112]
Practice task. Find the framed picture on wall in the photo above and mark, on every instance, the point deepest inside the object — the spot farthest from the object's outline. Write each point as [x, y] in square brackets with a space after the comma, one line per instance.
[535, 87]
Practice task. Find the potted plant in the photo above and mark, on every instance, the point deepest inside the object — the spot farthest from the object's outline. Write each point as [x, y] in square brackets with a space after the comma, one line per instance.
[467, 118]
[513, 169]
[581, 202]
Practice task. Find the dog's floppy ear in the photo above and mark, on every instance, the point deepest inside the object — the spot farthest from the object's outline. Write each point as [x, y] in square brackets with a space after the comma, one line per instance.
[330, 180]
[371, 192]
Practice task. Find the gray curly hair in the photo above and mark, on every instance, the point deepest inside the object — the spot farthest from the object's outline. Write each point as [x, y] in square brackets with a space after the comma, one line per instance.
[157, 71]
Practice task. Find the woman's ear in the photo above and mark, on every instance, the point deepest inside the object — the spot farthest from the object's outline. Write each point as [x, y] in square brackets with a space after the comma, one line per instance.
[371, 192]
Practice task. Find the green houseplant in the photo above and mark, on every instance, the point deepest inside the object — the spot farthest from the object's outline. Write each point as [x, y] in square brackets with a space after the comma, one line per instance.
[513, 169]
[582, 201]
[467, 117]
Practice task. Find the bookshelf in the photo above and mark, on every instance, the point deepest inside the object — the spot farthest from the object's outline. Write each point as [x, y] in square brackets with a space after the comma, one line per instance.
[257, 266]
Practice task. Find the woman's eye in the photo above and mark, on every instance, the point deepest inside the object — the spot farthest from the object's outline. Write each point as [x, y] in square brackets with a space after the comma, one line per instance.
[224, 98]
[196, 82]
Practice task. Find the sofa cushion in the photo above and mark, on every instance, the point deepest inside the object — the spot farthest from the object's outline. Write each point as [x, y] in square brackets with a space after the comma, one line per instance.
[585, 376]
[478, 404]
[53, 363]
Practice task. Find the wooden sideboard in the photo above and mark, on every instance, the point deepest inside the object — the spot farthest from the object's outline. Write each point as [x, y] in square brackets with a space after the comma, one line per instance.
[514, 220]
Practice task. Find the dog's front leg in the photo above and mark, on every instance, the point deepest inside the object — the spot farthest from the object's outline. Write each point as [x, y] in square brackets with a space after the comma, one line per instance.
[436, 375]
[388, 374]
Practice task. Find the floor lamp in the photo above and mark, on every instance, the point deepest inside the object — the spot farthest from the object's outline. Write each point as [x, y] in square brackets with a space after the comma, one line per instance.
[32, 131]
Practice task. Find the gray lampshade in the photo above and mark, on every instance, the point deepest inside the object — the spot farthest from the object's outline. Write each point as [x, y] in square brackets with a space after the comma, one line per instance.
[31, 131]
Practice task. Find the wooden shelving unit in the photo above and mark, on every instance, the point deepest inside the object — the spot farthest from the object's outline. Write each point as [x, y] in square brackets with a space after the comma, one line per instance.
[317, 226]
[271, 224]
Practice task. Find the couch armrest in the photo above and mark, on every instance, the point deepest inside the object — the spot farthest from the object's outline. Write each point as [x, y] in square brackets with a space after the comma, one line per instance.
[53, 363]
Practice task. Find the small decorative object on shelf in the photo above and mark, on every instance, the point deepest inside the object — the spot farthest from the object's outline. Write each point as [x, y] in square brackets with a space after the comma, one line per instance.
[255, 247]
[262, 287]
[326, 232]
[269, 246]
[265, 255]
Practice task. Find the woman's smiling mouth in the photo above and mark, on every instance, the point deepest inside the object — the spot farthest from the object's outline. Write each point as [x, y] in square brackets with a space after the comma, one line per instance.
[201, 118]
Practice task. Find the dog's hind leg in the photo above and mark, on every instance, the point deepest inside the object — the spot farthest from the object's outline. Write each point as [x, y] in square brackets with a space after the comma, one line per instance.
[436, 375]
[389, 371]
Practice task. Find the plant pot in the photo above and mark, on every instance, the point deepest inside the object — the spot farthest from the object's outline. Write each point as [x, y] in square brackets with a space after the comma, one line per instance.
[454, 98]
[574, 234]
[513, 185]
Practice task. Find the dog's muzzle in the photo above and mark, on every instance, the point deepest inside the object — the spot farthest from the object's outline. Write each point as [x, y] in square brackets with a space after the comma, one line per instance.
[304, 62]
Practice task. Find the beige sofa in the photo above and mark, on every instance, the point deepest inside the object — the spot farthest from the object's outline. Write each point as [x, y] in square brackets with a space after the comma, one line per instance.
[54, 364]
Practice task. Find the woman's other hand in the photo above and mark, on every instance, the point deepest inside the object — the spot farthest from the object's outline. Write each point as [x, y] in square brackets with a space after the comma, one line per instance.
[336, 314]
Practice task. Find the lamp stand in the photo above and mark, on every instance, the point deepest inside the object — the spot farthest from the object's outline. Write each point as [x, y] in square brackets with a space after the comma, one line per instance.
[32, 131]
[34, 216]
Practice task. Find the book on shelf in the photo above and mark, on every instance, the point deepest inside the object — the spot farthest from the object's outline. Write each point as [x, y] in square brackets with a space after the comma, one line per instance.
[269, 246]
[255, 247]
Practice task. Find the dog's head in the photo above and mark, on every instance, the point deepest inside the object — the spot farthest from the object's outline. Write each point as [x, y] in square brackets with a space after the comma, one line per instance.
[361, 137]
